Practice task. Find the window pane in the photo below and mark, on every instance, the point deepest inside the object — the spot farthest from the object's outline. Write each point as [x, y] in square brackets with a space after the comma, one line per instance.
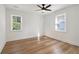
[16, 24]
[19, 19]
[60, 23]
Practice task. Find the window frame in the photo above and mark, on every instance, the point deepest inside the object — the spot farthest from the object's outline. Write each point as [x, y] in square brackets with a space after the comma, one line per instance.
[12, 22]
[56, 20]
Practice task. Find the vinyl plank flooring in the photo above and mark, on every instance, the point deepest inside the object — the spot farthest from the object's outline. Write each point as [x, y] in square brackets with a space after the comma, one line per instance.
[46, 45]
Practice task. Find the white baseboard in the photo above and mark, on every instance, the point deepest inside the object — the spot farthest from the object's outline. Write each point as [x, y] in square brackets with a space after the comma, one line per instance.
[2, 46]
[24, 38]
[70, 42]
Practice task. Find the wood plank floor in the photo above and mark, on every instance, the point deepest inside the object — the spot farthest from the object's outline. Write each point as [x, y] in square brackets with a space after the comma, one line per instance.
[46, 45]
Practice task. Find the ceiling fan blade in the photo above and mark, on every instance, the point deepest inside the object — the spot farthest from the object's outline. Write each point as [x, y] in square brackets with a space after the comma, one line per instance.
[48, 10]
[48, 6]
[39, 6]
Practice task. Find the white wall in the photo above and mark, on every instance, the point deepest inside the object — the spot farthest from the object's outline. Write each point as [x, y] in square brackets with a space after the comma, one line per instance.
[34, 23]
[72, 34]
[31, 26]
[2, 27]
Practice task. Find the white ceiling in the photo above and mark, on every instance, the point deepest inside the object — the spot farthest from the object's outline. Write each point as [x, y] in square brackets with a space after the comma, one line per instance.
[33, 7]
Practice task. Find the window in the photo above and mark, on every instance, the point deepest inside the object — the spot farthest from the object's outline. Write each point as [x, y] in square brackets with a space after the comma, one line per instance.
[60, 23]
[16, 23]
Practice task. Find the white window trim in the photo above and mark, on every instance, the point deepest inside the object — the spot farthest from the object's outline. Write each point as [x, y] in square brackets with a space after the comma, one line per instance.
[12, 22]
[57, 20]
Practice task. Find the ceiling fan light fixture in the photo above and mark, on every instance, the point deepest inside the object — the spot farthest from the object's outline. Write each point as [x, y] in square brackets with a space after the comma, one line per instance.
[43, 11]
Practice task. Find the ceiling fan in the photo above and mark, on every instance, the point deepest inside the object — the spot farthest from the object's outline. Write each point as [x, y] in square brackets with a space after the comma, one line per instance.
[44, 7]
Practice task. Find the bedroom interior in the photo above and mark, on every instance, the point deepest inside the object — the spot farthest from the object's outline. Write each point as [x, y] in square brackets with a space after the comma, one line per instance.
[39, 29]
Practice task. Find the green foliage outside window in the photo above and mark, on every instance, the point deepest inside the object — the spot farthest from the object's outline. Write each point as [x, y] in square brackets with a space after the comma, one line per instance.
[16, 24]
